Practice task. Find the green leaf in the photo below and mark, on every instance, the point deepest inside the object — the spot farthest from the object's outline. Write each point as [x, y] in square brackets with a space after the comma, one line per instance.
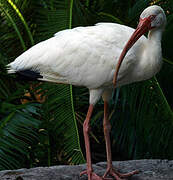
[10, 18]
[115, 19]
[137, 8]
[60, 100]
[18, 130]
[145, 123]
[22, 20]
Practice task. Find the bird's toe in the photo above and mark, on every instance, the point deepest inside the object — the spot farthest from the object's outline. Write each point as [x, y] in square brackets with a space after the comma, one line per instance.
[117, 175]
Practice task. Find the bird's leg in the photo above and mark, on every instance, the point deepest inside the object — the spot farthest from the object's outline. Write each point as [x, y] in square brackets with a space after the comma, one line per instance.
[110, 170]
[86, 129]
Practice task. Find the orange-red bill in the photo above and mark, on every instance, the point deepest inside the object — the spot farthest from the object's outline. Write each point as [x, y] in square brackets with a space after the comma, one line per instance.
[143, 26]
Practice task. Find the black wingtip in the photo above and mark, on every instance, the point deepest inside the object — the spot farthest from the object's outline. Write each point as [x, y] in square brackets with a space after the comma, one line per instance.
[28, 74]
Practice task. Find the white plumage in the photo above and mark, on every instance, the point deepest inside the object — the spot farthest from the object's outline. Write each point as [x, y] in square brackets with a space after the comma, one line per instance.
[87, 56]
[84, 56]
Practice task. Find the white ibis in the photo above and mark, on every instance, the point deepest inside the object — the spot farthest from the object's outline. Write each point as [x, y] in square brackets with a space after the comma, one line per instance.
[88, 56]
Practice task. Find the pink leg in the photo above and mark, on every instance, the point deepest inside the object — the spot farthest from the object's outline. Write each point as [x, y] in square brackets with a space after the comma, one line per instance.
[107, 128]
[86, 129]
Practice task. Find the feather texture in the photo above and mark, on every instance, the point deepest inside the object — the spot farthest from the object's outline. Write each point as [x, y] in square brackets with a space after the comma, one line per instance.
[83, 56]
[87, 56]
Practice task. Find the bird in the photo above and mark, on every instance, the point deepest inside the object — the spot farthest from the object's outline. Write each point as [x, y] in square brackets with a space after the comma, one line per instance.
[101, 58]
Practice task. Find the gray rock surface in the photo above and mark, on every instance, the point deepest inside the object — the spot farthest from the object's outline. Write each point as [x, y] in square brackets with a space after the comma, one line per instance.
[149, 170]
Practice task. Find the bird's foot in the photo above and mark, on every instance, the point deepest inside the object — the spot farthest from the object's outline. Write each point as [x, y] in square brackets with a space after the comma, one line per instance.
[117, 175]
[93, 176]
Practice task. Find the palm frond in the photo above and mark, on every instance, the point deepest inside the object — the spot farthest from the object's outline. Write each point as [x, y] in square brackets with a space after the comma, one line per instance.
[137, 8]
[58, 16]
[16, 9]
[5, 8]
[142, 119]
[52, 17]
[58, 111]
[146, 121]
[18, 130]
[16, 29]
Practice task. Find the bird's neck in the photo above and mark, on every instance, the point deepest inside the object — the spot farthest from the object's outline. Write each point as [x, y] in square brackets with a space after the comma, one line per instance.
[154, 45]
[152, 57]
[155, 36]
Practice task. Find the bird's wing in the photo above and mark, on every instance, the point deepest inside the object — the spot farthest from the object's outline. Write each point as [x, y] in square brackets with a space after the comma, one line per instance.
[84, 56]
[117, 36]
[40, 59]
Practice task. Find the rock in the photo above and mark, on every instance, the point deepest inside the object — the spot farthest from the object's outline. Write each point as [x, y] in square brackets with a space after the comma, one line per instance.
[149, 170]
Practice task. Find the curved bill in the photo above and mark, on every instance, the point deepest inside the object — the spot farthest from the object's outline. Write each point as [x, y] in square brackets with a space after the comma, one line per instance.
[143, 26]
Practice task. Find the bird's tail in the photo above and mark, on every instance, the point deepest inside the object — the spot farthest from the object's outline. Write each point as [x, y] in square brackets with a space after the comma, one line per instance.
[10, 70]
[24, 74]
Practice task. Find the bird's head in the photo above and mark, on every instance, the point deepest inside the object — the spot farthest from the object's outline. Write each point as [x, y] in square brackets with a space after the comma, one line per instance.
[152, 18]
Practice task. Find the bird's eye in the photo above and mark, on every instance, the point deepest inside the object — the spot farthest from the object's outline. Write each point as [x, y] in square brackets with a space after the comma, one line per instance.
[152, 17]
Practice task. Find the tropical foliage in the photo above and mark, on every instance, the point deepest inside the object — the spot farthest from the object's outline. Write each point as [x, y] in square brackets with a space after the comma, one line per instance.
[41, 123]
